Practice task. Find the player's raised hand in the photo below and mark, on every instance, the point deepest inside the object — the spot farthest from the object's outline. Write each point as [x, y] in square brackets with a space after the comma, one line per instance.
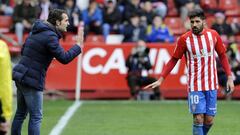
[155, 84]
[80, 35]
[230, 85]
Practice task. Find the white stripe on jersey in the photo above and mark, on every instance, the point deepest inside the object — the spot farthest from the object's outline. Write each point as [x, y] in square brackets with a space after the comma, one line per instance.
[199, 66]
[215, 67]
[212, 58]
[190, 65]
[204, 44]
[187, 55]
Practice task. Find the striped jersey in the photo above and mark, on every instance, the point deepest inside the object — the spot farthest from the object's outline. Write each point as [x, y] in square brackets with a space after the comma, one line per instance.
[199, 51]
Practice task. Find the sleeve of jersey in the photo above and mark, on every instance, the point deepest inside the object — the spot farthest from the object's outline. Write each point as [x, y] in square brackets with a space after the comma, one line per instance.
[219, 47]
[225, 64]
[168, 68]
[180, 48]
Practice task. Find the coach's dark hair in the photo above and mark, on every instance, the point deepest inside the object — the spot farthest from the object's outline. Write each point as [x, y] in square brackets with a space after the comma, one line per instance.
[197, 13]
[54, 15]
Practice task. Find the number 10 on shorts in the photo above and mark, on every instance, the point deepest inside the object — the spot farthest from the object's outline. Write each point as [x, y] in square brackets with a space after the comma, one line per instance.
[194, 99]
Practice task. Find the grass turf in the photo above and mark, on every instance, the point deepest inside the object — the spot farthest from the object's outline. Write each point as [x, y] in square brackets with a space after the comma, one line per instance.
[136, 118]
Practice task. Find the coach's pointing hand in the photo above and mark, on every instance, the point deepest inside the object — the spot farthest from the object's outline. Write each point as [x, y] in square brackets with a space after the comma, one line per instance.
[155, 84]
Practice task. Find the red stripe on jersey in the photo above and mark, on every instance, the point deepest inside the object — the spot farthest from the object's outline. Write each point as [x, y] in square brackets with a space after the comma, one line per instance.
[189, 69]
[209, 61]
[202, 51]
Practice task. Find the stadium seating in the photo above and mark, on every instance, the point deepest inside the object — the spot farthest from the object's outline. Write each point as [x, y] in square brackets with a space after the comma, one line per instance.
[175, 24]
[172, 10]
[230, 7]
[209, 4]
[238, 38]
[14, 50]
[95, 38]
[5, 23]
[233, 20]
[234, 12]
[228, 4]
[210, 21]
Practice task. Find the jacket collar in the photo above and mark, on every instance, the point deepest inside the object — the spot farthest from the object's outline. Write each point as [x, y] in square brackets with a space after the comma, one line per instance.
[54, 29]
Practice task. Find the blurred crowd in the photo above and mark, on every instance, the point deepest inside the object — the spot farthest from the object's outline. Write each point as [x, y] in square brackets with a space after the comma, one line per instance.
[148, 20]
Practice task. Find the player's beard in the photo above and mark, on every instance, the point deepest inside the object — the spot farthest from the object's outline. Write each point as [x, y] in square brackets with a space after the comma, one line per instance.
[197, 30]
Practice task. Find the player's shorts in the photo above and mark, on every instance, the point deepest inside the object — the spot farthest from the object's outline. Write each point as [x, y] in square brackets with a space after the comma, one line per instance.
[203, 102]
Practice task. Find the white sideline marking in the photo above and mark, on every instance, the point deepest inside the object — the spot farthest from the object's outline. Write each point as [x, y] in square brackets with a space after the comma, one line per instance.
[65, 118]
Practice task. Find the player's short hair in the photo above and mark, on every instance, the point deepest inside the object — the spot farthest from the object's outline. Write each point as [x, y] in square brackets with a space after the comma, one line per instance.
[197, 13]
[54, 15]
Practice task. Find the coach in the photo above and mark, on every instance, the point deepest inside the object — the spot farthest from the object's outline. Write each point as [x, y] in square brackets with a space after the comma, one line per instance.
[39, 49]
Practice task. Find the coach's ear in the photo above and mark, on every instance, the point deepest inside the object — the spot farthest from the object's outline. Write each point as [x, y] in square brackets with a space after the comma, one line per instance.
[57, 23]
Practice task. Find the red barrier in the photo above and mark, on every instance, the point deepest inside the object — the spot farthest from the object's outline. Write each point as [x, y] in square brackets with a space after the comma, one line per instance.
[104, 72]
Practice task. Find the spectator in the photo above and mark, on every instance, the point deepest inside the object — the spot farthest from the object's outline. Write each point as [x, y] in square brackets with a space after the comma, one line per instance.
[132, 7]
[45, 6]
[74, 14]
[138, 64]
[186, 6]
[58, 3]
[220, 25]
[5, 88]
[23, 17]
[235, 27]
[5, 8]
[148, 13]
[82, 4]
[159, 32]
[112, 17]
[159, 6]
[134, 31]
[92, 18]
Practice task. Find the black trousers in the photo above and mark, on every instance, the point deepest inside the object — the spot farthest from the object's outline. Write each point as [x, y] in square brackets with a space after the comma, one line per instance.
[136, 83]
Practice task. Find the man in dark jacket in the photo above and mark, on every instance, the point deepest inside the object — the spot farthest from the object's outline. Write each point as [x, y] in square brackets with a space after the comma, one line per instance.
[134, 31]
[24, 16]
[138, 64]
[29, 74]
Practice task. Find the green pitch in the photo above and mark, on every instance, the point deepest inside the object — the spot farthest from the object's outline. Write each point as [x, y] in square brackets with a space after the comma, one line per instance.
[136, 118]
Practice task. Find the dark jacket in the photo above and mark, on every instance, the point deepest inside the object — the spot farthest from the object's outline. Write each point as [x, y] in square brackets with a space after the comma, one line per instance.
[223, 29]
[136, 64]
[112, 18]
[37, 53]
[134, 33]
[27, 12]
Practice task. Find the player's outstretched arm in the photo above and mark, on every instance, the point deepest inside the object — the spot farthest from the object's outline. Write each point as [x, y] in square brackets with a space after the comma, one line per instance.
[166, 70]
[155, 84]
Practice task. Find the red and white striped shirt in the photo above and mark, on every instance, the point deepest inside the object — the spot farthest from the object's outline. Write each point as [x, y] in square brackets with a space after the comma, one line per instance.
[199, 51]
